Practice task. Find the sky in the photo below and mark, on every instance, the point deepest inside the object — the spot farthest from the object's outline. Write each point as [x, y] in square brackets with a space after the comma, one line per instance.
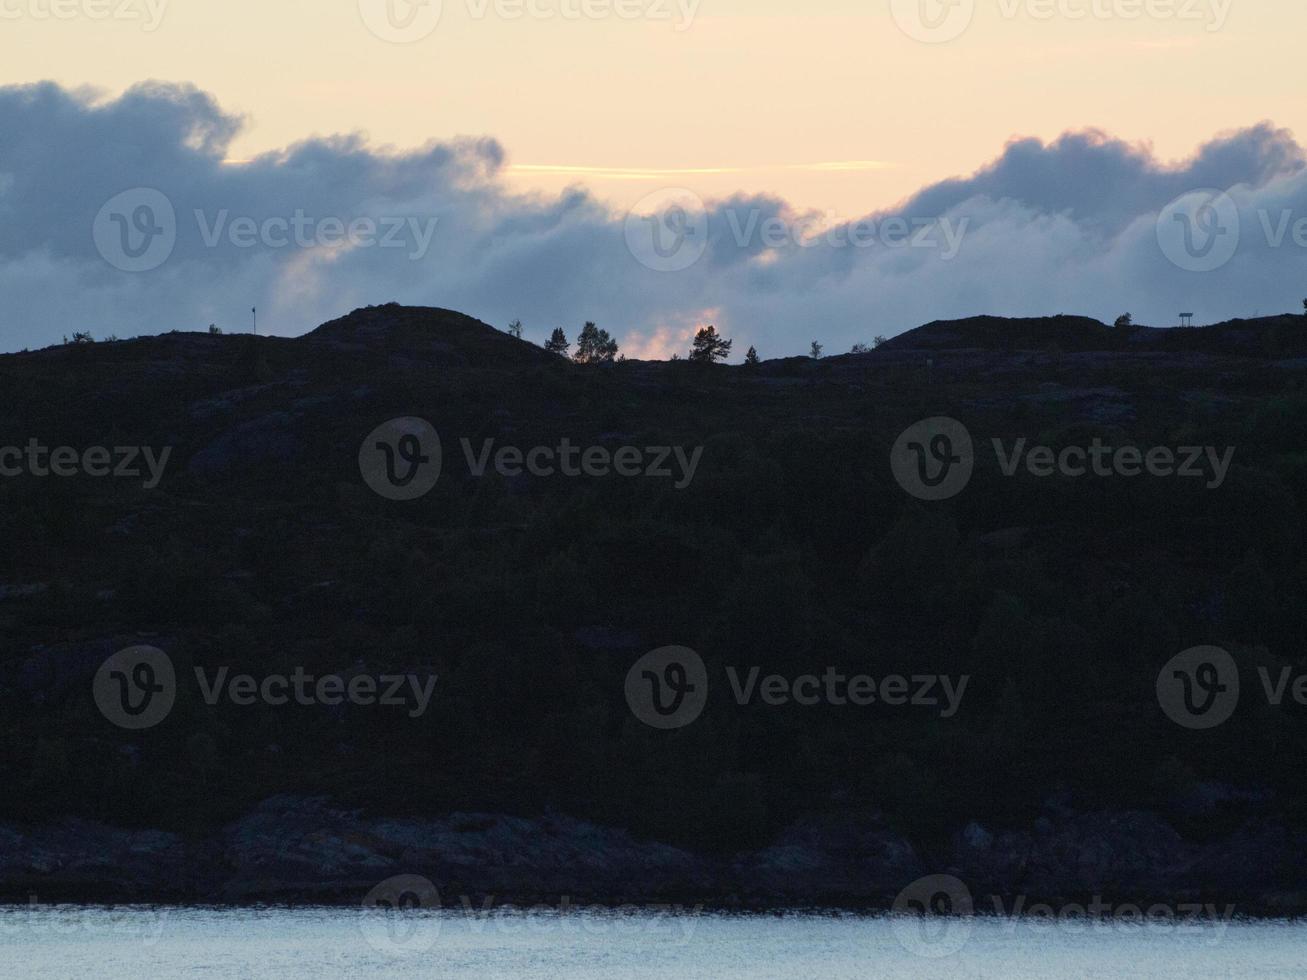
[649, 164]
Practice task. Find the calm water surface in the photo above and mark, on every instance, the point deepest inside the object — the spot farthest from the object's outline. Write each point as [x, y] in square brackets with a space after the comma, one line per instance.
[140, 943]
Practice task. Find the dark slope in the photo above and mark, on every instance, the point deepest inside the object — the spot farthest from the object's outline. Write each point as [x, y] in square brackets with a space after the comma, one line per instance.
[1272, 337]
[452, 338]
[794, 549]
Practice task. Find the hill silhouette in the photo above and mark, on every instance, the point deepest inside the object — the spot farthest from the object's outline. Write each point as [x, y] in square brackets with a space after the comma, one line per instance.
[1276, 336]
[793, 548]
[428, 330]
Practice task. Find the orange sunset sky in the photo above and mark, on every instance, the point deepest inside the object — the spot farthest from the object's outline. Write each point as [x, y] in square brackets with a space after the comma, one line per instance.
[829, 104]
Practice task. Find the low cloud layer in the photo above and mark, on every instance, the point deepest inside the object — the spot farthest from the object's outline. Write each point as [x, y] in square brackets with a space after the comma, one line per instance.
[120, 217]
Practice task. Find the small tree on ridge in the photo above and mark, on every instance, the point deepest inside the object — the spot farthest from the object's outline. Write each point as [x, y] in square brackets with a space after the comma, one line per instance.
[558, 343]
[709, 347]
[594, 346]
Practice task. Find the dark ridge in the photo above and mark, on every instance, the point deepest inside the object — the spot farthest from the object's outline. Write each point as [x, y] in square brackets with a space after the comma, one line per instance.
[427, 329]
[1070, 333]
[447, 338]
[1273, 336]
[263, 548]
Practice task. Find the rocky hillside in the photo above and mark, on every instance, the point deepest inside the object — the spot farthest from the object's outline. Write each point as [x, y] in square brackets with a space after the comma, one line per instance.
[259, 509]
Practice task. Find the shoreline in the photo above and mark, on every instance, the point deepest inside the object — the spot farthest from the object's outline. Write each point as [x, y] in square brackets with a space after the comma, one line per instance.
[305, 852]
[1066, 912]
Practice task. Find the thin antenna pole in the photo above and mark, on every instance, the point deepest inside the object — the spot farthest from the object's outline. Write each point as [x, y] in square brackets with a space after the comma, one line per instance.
[255, 311]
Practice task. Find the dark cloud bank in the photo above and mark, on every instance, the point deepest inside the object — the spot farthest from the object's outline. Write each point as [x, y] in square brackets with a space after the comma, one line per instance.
[1069, 226]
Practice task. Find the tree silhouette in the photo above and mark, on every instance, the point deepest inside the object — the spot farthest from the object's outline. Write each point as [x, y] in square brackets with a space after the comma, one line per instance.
[515, 329]
[709, 347]
[558, 343]
[595, 346]
[815, 351]
[751, 358]
[1124, 320]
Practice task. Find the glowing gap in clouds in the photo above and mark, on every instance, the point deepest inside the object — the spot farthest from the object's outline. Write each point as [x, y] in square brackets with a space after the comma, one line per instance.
[656, 173]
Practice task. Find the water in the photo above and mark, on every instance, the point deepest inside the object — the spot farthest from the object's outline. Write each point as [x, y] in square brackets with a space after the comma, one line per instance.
[139, 943]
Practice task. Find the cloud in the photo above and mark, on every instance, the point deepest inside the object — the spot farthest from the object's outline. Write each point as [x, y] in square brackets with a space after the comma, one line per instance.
[668, 339]
[330, 224]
